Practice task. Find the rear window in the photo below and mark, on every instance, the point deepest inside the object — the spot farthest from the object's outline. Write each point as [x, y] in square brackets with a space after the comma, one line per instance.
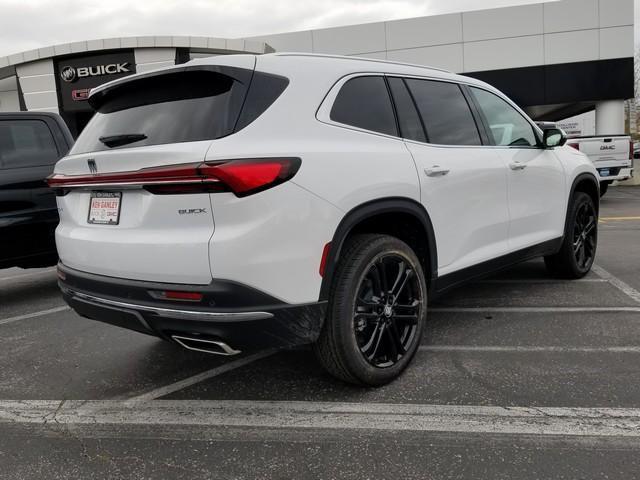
[26, 143]
[185, 106]
[364, 102]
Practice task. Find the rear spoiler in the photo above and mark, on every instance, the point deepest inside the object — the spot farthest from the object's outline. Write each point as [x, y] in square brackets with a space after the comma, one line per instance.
[98, 95]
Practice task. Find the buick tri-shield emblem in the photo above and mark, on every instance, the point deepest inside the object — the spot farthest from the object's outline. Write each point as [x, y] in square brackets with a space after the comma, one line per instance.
[68, 74]
[93, 168]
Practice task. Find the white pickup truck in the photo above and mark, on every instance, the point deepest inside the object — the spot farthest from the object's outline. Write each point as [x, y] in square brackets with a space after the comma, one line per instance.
[612, 156]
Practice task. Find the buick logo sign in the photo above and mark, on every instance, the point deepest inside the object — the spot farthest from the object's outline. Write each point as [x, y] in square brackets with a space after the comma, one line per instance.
[68, 74]
[71, 74]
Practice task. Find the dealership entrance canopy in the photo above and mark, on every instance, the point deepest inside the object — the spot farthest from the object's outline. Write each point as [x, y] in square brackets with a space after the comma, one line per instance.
[555, 59]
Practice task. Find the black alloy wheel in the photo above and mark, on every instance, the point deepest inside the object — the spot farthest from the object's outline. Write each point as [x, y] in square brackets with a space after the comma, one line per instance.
[578, 251]
[387, 309]
[584, 236]
[376, 313]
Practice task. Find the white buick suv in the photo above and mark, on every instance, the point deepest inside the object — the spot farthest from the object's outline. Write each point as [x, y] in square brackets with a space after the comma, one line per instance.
[243, 202]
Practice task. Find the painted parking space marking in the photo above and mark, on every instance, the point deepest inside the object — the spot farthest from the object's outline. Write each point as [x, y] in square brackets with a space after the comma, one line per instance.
[27, 275]
[4, 321]
[527, 349]
[187, 382]
[533, 309]
[532, 281]
[616, 282]
[596, 422]
[618, 219]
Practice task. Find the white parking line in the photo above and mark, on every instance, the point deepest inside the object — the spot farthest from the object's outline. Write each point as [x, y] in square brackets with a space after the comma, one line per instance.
[27, 275]
[598, 422]
[187, 382]
[616, 282]
[526, 349]
[4, 321]
[532, 309]
[542, 280]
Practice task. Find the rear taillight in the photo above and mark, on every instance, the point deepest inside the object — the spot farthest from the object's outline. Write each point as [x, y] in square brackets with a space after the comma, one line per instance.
[574, 145]
[630, 149]
[247, 176]
[242, 177]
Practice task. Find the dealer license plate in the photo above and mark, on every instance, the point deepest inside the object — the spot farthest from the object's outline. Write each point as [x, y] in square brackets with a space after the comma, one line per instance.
[104, 208]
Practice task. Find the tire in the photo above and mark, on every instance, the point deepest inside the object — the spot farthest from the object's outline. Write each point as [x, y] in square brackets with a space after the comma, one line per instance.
[576, 256]
[604, 186]
[368, 338]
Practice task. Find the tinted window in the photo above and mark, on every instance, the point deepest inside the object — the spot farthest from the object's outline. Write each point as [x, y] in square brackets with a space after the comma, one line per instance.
[364, 102]
[506, 125]
[264, 90]
[445, 113]
[26, 143]
[408, 118]
[176, 107]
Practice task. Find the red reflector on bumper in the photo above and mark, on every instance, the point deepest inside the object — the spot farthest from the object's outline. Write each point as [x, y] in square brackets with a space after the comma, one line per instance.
[323, 260]
[61, 275]
[187, 296]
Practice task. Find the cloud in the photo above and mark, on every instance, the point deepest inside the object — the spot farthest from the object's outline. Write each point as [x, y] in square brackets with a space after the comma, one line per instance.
[28, 24]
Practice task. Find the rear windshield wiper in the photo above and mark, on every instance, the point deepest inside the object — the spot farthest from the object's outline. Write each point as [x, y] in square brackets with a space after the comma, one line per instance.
[122, 139]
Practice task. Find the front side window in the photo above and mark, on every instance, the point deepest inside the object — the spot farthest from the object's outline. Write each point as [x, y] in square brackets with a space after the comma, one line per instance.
[364, 102]
[445, 112]
[507, 127]
[26, 143]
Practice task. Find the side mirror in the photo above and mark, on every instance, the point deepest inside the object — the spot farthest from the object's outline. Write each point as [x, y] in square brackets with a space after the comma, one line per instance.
[553, 137]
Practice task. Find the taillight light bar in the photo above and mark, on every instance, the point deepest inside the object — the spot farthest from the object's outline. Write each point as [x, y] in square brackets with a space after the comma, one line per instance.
[242, 177]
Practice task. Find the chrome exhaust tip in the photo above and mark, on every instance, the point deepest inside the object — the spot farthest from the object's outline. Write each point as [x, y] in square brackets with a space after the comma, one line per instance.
[197, 344]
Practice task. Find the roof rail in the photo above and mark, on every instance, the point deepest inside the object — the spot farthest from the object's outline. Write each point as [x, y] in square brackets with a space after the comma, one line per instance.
[364, 59]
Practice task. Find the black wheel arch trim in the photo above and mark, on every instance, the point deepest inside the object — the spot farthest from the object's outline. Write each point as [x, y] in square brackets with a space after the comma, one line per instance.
[580, 178]
[370, 209]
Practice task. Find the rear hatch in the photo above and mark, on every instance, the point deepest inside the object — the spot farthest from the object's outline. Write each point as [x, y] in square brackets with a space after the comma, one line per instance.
[132, 203]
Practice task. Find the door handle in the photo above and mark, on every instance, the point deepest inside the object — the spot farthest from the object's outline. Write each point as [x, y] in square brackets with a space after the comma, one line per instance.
[517, 166]
[436, 171]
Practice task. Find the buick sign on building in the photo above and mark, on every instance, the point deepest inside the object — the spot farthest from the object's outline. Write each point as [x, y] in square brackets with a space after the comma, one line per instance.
[77, 75]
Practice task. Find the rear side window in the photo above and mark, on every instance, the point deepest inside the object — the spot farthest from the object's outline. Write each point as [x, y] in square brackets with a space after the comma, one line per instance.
[26, 143]
[506, 125]
[445, 112]
[408, 118]
[364, 102]
[265, 89]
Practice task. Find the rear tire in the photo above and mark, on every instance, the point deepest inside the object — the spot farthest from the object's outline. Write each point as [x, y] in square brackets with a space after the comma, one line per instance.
[376, 313]
[578, 251]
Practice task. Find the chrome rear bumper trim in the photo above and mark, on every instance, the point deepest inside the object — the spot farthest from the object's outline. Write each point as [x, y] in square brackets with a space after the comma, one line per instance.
[174, 313]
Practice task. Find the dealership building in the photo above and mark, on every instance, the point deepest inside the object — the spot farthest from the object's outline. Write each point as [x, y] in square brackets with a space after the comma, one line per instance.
[555, 59]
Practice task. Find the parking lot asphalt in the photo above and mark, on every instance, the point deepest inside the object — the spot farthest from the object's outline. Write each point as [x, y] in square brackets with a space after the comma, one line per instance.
[518, 376]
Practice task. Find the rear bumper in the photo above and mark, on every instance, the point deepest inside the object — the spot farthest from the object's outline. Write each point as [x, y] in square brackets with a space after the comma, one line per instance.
[616, 173]
[241, 317]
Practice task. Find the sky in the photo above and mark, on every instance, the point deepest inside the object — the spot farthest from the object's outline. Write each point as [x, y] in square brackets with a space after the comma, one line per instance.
[29, 24]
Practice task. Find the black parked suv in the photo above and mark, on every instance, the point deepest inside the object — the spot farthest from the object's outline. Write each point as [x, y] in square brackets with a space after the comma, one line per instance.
[30, 145]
